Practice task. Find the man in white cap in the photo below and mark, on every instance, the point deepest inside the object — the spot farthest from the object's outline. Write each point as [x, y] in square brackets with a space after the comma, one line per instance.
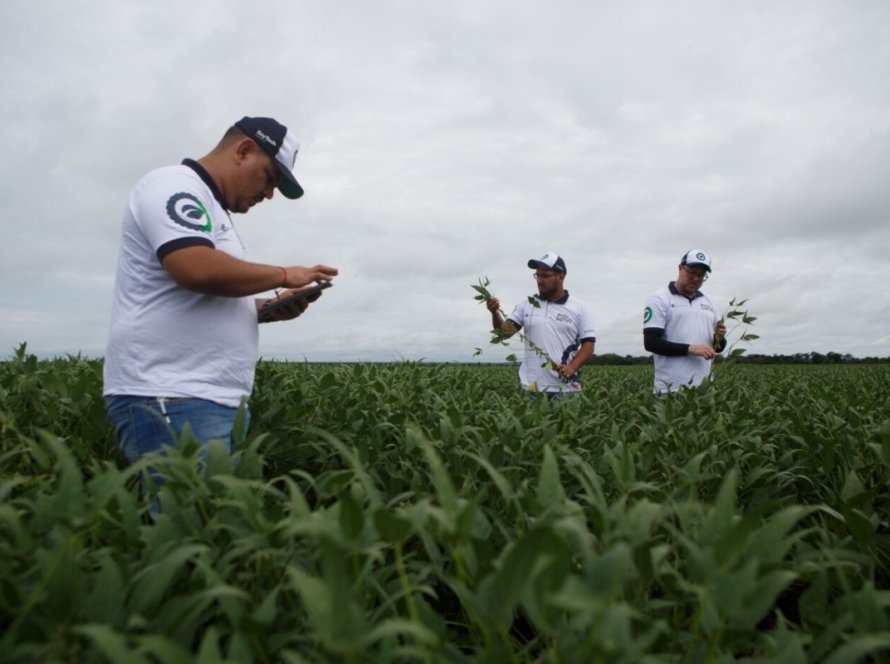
[683, 327]
[557, 328]
[182, 347]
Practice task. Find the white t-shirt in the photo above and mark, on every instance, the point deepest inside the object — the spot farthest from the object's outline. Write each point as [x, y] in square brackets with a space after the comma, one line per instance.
[558, 328]
[166, 340]
[684, 321]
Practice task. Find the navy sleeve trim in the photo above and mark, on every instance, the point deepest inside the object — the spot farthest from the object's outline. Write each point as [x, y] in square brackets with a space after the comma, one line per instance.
[654, 342]
[181, 243]
[590, 339]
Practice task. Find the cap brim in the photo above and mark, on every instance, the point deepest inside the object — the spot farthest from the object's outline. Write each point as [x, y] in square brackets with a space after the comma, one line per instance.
[290, 189]
[538, 265]
[289, 186]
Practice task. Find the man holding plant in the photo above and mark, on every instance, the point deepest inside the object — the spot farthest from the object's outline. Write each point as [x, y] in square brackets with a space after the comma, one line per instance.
[682, 327]
[556, 328]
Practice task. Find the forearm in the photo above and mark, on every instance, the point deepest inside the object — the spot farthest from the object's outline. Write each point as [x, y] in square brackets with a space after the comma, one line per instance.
[241, 278]
[213, 272]
[654, 342]
[502, 326]
[581, 357]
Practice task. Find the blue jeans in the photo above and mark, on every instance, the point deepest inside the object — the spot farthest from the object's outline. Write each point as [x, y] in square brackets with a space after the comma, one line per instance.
[148, 424]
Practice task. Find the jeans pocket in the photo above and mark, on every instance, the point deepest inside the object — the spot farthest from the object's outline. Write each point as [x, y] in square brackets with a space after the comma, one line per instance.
[140, 428]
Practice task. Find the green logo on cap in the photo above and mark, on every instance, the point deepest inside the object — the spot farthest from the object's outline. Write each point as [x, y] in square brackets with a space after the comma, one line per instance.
[700, 256]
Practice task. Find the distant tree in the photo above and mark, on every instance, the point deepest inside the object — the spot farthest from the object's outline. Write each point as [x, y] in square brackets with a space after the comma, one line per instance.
[812, 357]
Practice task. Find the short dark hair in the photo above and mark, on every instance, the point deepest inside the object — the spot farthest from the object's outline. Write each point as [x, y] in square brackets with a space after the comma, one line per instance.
[232, 135]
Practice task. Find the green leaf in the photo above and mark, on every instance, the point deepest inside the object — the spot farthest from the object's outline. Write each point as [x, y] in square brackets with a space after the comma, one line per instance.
[438, 473]
[500, 482]
[209, 651]
[392, 527]
[153, 581]
[858, 524]
[858, 647]
[219, 461]
[550, 491]
[853, 487]
[723, 512]
[316, 598]
[395, 628]
[352, 518]
[525, 561]
[267, 611]
[111, 644]
[164, 649]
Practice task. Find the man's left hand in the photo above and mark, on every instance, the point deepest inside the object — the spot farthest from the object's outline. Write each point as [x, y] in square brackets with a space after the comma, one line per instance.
[565, 371]
[290, 311]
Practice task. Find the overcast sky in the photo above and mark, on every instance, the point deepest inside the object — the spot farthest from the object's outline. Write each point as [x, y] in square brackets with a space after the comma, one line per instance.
[443, 142]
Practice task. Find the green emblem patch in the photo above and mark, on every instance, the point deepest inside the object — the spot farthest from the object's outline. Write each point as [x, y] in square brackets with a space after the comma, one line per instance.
[187, 210]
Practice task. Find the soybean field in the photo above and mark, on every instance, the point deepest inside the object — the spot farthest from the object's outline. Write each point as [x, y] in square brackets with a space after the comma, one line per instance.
[433, 513]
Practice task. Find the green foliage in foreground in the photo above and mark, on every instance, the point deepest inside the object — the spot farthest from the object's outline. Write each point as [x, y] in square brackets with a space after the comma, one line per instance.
[433, 513]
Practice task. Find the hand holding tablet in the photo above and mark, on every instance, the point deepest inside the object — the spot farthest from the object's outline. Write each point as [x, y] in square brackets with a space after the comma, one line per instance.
[275, 306]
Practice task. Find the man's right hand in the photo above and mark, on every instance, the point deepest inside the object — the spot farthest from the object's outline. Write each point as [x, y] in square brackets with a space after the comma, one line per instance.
[702, 350]
[493, 305]
[298, 276]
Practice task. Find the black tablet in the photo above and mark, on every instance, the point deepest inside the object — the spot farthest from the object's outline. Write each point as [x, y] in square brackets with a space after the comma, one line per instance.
[275, 304]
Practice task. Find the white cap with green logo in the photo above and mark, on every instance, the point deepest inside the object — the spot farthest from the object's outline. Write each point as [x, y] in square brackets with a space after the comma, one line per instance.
[697, 257]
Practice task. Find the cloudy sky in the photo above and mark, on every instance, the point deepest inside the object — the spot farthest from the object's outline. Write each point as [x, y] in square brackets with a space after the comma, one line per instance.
[445, 142]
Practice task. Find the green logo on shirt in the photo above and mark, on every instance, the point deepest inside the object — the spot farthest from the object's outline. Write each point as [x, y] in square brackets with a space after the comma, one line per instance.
[187, 210]
[647, 315]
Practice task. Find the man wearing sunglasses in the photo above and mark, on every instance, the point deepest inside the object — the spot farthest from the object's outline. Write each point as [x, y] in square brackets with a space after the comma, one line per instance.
[683, 327]
[557, 329]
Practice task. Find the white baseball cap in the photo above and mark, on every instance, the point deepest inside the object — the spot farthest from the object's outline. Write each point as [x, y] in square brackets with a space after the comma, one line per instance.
[549, 261]
[697, 257]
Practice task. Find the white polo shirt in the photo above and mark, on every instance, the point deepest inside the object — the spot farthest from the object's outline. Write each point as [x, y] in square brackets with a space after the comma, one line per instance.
[558, 328]
[166, 340]
[684, 321]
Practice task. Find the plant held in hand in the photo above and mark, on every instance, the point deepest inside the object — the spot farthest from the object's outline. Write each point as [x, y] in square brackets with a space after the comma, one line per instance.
[497, 337]
[737, 334]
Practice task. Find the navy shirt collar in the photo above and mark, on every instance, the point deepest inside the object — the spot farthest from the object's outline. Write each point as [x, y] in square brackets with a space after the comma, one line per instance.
[672, 287]
[562, 300]
[205, 176]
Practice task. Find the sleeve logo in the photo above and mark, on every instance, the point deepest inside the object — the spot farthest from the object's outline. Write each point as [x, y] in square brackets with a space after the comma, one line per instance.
[647, 315]
[187, 210]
